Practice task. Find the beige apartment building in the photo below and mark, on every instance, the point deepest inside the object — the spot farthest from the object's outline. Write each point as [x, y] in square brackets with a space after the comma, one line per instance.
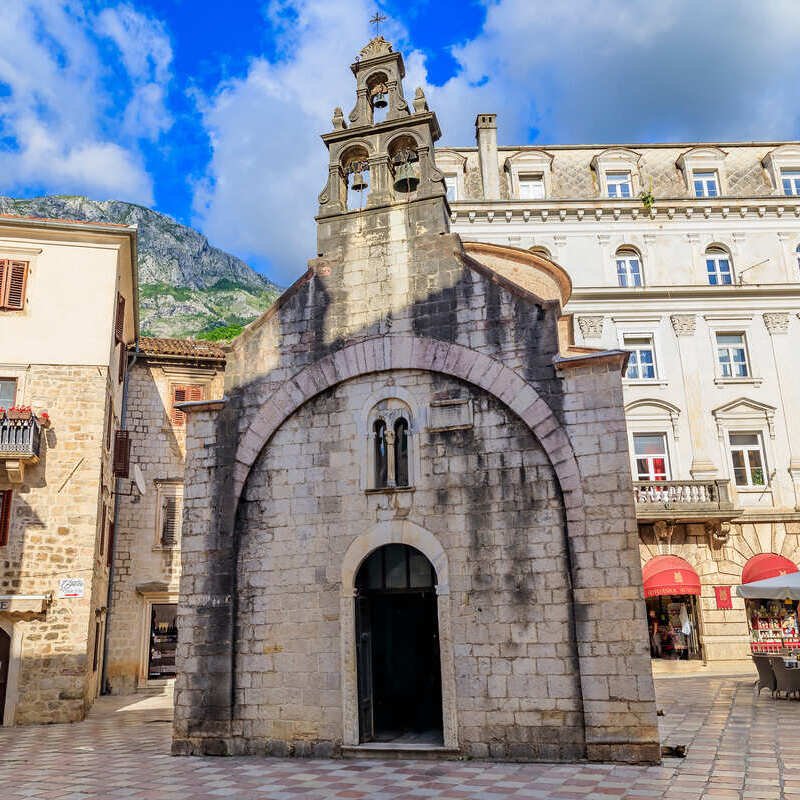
[687, 256]
[142, 616]
[67, 315]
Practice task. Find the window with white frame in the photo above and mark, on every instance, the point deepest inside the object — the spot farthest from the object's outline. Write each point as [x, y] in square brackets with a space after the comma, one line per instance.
[618, 184]
[642, 361]
[732, 355]
[797, 253]
[718, 267]
[651, 460]
[531, 187]
[790, 179]
[747, 459]
[8, 392]
[706, 183]
[629, 267]
[451, 184]
[169, 516]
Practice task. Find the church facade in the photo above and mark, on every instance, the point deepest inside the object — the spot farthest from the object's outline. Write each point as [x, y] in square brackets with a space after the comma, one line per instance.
[409, 525]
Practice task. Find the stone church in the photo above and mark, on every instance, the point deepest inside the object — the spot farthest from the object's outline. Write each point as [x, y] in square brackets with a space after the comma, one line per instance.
[409, 522]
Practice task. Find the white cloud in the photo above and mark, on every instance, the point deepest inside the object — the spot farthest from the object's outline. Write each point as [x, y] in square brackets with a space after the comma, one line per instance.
[587, 70]
[70, 117]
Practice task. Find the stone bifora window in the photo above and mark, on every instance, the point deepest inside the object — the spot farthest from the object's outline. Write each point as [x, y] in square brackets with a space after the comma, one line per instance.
[390, 451]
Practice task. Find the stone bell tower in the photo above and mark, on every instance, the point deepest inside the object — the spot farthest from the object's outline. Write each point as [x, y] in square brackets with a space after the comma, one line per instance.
[382, 156]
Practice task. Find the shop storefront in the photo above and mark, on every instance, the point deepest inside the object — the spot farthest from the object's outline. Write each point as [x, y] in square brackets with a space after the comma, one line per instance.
[671, 590]
[163, 641]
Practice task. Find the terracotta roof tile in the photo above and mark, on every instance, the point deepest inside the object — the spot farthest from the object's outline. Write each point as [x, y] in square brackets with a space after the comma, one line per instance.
[186, 348]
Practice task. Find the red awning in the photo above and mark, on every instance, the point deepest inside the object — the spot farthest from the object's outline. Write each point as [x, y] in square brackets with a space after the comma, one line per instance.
[664, 575]
[766, 565]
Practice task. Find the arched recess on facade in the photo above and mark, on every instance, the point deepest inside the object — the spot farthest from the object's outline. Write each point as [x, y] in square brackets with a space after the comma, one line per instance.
[408, 533]
[386, 353]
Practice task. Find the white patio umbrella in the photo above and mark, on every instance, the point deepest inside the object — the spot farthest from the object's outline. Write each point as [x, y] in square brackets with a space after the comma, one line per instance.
[782, 587]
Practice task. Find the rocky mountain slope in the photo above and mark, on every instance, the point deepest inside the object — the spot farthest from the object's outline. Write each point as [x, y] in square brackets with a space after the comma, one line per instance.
[187, 287]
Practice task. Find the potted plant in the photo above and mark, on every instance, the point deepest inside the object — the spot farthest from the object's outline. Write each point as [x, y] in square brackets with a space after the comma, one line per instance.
[44, 419]
[19, 412]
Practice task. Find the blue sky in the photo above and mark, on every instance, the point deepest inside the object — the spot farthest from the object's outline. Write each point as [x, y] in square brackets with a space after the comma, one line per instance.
[211, 112]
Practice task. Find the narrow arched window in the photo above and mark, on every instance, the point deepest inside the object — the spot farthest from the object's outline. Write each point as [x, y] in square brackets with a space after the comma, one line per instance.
[629, 267]
[718, 267]
[401, 452]
[381, 454]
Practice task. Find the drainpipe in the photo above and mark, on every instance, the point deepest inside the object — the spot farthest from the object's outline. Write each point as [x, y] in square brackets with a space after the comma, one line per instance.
[112, 545]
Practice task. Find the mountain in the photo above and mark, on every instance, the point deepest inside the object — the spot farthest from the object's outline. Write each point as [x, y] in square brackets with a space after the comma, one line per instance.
[187, 288]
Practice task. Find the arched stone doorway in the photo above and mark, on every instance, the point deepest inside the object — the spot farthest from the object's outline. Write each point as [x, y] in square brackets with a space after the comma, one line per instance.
[397, 648]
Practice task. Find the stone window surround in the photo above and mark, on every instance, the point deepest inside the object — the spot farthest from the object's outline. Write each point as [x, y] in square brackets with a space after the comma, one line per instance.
[10, 249]
[643, 325]
[780, 158]
[733, 323]
[166, 487]
[449, 162]
[626, 252]
[395, 532]
[667, 452]
[175, 376]
[14, 629]
[650, 415]
[631, 334]
[149, 599]
[617, 159]
[703, 159]
[529, 162]
[405, 405]
[20, 374]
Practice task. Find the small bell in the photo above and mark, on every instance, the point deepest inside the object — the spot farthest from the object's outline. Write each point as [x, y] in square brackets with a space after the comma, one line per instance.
[359, 183]
[379, 100]
[405, 178]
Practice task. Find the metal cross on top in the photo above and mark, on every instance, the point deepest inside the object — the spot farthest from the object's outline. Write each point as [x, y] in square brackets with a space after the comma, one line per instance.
[376, 21]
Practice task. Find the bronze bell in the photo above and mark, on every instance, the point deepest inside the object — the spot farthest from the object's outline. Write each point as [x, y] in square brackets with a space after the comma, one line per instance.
[379, 100]
[359, 183]
[405, 177]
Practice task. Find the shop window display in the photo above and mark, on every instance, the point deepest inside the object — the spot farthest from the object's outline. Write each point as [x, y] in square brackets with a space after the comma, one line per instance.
[163, 641]
[773, 627]
[672, 621]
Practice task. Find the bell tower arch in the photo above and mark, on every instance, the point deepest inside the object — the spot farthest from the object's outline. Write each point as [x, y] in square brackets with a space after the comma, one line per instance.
[395, 145]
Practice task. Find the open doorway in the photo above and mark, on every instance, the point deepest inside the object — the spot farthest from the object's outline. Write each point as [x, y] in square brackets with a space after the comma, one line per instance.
[397, 642]
[5, 662]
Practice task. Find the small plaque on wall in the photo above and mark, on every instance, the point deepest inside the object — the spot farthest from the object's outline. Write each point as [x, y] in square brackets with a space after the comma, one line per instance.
[724, 599]
[449, 415]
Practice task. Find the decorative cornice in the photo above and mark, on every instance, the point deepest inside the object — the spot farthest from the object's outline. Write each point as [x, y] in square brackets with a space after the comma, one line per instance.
[776, 322]
[684, 324]
[591, 327]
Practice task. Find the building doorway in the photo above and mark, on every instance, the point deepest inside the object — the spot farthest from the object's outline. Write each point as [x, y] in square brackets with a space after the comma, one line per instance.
[5, 663]
[397, 648]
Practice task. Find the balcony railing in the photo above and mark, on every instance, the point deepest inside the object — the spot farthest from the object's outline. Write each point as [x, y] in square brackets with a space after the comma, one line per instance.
[683, 500]
[20, 442]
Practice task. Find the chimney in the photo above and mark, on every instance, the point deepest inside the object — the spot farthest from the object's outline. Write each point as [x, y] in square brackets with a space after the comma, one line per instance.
[486, 137]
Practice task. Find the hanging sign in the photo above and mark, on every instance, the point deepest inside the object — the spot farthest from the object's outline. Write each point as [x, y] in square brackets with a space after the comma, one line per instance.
[724, 599]
[71, 587]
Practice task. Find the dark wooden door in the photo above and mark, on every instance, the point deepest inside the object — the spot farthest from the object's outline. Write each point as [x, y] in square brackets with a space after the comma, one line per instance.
[5, 657]
[366, 722]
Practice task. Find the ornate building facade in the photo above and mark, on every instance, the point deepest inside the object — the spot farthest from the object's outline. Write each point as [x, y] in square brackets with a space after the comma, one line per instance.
[410, 522]
[688, 257]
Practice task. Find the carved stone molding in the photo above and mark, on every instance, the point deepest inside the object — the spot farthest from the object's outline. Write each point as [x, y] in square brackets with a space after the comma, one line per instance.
[591, 327]
[776, 322]
[684, 324]
[717, 532]
[663, 530]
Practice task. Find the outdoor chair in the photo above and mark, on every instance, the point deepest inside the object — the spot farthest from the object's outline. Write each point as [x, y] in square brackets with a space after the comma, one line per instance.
[785, 678]
[766, 675]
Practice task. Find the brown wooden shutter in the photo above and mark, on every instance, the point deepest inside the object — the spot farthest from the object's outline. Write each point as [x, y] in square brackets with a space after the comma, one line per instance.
[123, 363]
[122, 454]
[5, 516]
[13, 279]
[171, 517]
[103, 530]
[119, 322]
[109, 426]
[110, 552]
[177, 417]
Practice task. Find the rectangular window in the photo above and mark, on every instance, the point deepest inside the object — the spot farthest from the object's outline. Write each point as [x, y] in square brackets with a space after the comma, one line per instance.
[13, 279]
[790, 178]
[618, 184]
[642, 361]
[531, 187]
[732, 355]
[747, 457]
[163, 641]
[8, 392]
[629, 270]
[182, 394]
[170, 514]
[650, 453]
[705, 184]
[451, 184]
[5, 516]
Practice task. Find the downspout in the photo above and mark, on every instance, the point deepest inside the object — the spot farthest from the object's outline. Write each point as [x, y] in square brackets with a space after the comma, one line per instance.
[112, 545]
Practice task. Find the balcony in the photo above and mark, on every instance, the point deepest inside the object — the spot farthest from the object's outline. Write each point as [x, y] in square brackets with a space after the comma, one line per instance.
[20, 441]
[683, 501]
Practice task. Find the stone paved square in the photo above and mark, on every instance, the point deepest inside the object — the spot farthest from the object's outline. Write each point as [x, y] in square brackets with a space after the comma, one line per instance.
[740, 747]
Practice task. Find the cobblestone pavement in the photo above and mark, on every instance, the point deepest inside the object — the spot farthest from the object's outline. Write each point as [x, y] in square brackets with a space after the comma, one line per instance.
[739, 746]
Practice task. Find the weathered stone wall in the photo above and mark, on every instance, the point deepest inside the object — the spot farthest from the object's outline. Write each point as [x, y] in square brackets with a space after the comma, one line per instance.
[487, 493]
[143, 568]
[54, 534]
